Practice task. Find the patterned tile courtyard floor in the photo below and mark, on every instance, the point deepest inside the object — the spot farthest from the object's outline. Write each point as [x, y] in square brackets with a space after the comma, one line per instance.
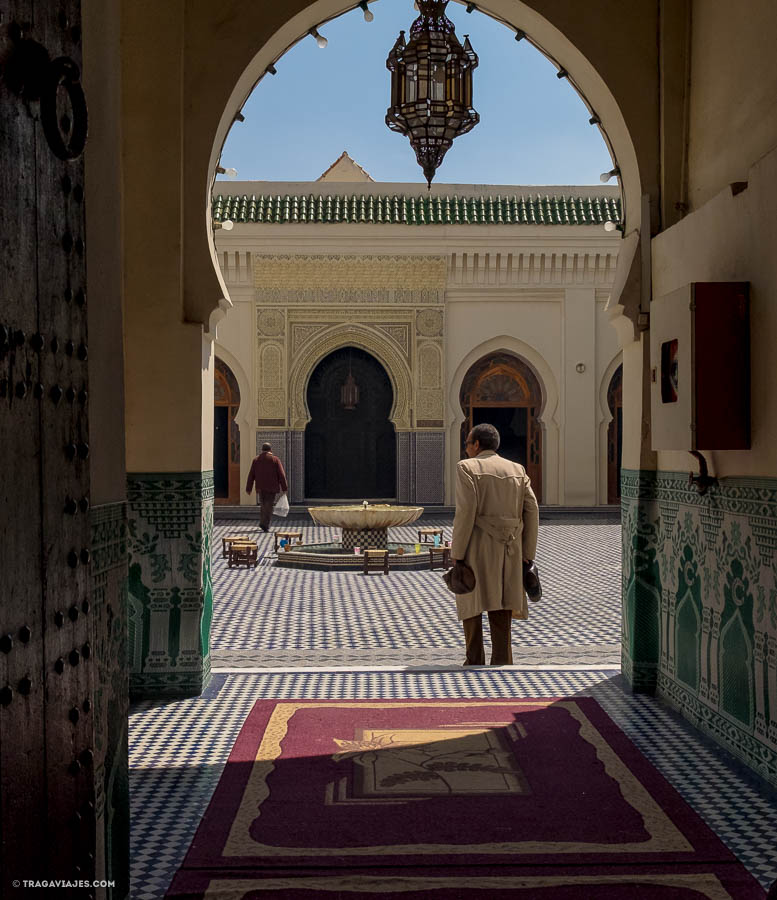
[279, 617]
[388, 629]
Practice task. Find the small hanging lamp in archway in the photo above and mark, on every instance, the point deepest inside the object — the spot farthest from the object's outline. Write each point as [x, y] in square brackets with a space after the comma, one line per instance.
[431, 86]
[349, 392]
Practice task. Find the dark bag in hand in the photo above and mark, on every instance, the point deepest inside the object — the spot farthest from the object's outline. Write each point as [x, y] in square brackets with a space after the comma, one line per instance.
[460, 578]
[531, 581]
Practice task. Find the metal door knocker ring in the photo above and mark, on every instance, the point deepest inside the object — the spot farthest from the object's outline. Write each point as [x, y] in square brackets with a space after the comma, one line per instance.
[63, 71]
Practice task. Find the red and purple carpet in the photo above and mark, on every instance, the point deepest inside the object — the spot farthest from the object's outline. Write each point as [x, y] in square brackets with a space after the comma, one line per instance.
[448, 799]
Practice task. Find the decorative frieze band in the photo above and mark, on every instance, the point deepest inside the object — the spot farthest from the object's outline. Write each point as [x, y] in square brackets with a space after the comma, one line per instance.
[580, 267]
[300, 280]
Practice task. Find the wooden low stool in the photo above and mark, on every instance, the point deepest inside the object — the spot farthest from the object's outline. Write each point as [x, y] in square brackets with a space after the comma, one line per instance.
[441, 556]
[376, 558]
[243, 553]
[230, 539]
[427, 534]
[289, 535]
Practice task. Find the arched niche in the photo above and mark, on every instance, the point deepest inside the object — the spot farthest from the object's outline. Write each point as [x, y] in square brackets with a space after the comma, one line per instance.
[226, 434]
[736, 670]
[502, 389]
[687, 641]
[610, 434]
[363, 338]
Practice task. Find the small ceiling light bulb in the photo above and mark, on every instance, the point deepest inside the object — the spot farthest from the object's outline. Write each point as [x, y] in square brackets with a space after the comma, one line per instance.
[227, 224]
[320, 39]
[368, 16]
[606, 176]
[230, 173]
[610, 226]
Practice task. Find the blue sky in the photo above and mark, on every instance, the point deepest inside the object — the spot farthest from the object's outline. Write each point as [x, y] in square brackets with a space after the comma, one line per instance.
[533, 127]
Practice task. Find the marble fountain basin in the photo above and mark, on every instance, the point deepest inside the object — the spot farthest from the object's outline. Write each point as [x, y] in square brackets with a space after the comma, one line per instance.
[360, 518]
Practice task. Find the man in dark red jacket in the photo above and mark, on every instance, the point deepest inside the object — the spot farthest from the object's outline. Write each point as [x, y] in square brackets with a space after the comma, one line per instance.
[270, 479]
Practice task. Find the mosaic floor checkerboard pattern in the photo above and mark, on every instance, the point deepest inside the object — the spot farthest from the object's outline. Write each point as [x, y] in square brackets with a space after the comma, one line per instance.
[271, 617]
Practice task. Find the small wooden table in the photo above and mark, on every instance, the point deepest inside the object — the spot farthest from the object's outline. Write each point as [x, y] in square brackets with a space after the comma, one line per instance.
[376, 558]
[230, 539]
[441, 556]
[289, 535]
[426, 534]
[242, 553]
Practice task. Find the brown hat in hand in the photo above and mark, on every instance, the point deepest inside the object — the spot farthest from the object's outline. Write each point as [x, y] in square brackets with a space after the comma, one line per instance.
[460, 578]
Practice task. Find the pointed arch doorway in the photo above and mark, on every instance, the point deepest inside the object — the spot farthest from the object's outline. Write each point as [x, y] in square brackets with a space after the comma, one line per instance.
[502, 390]
[350, 448]
[226, 435]
[615, 436]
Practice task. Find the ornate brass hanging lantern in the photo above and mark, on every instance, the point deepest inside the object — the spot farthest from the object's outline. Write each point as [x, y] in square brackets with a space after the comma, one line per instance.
[349, 392]
[431, 86]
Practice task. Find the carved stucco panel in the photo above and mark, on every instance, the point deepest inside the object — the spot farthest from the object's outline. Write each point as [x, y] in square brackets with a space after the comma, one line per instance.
[429, 322]
[270, 365]
[339, 275]
[352, 335]
[303, 334]
[398, 333]
[270, 322]
[429, 366]
[429, 404]
[272, 405]
[271, 396]
[307, 325]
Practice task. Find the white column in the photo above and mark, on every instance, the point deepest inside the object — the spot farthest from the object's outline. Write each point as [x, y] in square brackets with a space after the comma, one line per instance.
[579, 397]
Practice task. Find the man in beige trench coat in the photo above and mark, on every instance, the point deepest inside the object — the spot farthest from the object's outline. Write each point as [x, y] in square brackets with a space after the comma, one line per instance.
[494, 530]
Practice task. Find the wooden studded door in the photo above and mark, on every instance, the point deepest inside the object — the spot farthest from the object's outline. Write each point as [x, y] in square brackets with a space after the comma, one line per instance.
[47, 798]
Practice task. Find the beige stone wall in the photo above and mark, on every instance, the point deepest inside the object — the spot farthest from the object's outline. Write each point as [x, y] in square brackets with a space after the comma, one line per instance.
[732, 238]
[733, 97]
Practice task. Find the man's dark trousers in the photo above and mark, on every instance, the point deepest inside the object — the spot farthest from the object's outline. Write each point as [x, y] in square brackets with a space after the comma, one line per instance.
[499, 621]
[266, 504]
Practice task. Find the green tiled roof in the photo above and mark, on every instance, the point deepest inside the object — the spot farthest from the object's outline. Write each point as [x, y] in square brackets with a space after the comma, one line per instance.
[418, 210]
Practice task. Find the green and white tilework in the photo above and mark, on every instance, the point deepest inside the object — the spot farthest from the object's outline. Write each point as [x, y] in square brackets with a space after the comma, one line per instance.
[170, 521]
[700, 605]
[108, 523]
[418, 209]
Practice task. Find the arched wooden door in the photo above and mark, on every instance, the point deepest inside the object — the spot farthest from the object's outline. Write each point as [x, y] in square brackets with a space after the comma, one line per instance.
[350, 448]
[615, 436]
[226, 436]
[502, 390]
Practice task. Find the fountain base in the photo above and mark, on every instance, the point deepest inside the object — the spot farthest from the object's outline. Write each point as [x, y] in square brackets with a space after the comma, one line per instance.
[336, 557]
[366, 538]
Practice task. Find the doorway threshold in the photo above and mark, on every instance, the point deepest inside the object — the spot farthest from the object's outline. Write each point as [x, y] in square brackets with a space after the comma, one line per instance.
[268, 670]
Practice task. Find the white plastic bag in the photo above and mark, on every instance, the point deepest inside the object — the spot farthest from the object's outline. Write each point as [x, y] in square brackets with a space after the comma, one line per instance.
[281, 507]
